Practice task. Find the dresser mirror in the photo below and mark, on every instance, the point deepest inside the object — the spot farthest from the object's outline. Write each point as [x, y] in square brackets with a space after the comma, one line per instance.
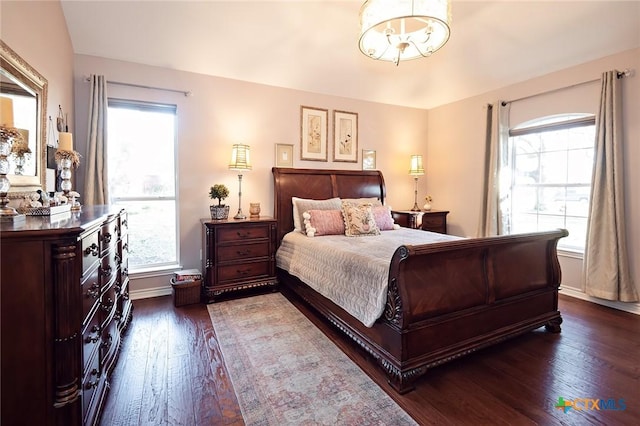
[28, 89]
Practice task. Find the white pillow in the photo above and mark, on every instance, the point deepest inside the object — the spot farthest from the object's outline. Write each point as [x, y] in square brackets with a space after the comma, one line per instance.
[301, 205]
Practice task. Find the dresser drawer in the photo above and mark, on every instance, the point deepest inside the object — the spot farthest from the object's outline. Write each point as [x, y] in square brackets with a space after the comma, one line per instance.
[231, 234]
[90, 251]
[108, 236]
[109, 268]
[242, 251]
[90, 292]
[92, 383]
[243, 271]
[91, 338]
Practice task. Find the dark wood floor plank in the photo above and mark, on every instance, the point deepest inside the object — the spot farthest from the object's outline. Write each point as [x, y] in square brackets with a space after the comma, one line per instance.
[172, 372]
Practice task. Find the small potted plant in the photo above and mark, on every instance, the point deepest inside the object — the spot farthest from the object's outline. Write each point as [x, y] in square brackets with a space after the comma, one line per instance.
[220, 211]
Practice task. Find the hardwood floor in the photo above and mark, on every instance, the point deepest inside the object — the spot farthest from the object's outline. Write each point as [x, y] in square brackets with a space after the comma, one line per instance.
[171, 373]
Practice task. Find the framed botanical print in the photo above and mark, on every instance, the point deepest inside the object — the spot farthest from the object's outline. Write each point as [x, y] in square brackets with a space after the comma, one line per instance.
[284, 155]
[313, 133]
[345, 136]
[368, 159]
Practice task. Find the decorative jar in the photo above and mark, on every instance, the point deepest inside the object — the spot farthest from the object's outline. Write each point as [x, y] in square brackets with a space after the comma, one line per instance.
[254, 209]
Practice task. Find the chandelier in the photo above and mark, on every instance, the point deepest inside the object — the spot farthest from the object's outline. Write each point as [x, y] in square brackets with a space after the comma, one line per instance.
[395, 30]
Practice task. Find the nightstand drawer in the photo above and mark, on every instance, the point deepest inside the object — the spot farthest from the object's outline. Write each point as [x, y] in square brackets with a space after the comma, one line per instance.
[231, 234]
[243, 271]
[432, 221]
[242, 251]
[435, 221]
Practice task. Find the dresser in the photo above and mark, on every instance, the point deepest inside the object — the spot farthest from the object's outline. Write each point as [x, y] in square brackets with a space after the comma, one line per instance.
[64, 305]
[432, 220]
[238, 255]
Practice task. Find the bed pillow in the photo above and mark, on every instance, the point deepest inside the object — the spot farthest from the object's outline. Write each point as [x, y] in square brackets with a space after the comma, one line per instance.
[383, 218]
[359, 220]
[365, 200]
[323, 222]
[301, 205]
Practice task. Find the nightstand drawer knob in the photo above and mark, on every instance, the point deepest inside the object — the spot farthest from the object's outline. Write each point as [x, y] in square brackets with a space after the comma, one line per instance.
[244, 234]
[243, 272]
[243, 252]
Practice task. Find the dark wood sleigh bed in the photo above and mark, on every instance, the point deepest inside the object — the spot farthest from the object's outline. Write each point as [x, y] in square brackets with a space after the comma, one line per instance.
[444, 300]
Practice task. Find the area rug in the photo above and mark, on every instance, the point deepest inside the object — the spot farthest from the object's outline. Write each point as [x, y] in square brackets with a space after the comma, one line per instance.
[287, 372]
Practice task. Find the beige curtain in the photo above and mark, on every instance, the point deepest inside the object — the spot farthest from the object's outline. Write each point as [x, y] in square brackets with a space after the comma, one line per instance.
[96, 189]
[606, 267]
[492, 218]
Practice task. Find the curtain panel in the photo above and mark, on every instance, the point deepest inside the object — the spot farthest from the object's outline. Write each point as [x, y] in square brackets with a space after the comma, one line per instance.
[96, 184]
[606, 267]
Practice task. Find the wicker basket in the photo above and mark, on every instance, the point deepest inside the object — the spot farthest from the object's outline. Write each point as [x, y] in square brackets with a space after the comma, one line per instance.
[186, 292]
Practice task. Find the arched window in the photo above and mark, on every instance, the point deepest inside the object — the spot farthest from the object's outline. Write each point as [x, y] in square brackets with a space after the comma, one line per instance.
[549, 181]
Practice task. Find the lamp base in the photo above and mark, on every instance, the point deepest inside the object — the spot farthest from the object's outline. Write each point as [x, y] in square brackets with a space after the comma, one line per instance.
[415, 208]
[239, 215]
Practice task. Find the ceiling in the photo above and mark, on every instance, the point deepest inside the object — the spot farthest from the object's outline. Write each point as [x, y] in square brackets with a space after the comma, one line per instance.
[312, 45]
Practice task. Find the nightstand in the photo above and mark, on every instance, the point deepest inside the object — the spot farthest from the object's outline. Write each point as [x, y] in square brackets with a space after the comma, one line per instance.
[432, 220]
[238, 255]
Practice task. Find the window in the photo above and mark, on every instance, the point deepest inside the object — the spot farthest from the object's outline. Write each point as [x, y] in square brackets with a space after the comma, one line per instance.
[550, 177]
[142, 179]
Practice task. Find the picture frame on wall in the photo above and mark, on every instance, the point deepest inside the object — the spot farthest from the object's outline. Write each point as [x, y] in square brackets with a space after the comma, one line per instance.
[284, 155]
[345, 136]
[313, 133]
[368, 159]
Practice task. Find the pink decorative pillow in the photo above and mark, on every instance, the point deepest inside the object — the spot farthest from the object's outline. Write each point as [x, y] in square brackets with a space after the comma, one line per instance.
[359, 220]
[384, 220]
[323, 222]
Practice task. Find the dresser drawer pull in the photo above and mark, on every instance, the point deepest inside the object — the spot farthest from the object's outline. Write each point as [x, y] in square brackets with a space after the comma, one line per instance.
[106, 271]
[94, 291]
[107, 344]
[94, 329]
[243, 252]
[106, 238]
[91, 250]
[107, 306]
[244, 234]
[94, 384]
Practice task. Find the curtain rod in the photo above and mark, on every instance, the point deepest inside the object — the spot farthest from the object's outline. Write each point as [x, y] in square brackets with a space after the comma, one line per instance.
[186, 93]
[620, 74]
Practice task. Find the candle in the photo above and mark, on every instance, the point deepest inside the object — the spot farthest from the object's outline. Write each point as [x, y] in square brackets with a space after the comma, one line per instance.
[6, 111]
[66, 142]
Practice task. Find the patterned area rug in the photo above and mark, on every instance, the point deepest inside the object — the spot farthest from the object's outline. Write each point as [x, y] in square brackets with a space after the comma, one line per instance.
[287, 372]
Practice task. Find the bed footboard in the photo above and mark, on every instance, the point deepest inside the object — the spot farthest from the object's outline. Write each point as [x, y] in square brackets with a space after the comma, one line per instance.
[446, 300]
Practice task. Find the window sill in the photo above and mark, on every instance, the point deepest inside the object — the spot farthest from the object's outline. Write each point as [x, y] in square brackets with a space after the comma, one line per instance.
[154, 271]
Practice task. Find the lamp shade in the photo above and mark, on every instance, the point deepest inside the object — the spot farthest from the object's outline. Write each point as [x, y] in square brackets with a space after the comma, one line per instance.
[240, 158]
[416, 166]
[395, 30]
[6, 111]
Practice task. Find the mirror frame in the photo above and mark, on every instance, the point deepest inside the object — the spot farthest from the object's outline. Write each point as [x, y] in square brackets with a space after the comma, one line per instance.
[22, 71]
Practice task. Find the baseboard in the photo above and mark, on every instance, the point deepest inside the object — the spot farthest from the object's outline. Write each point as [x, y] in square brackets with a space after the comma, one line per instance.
[150, 292]
[633, 307]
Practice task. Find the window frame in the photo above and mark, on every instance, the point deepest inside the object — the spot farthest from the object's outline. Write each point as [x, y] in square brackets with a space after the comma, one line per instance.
[138, 105]
[536, 126]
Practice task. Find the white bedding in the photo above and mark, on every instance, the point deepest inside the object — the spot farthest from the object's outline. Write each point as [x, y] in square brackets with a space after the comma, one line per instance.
[350, 271]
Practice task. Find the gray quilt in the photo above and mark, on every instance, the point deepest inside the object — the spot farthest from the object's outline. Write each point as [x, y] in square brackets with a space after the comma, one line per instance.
[350, 271]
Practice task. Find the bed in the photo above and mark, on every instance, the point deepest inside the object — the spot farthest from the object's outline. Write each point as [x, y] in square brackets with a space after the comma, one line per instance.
[443, 300]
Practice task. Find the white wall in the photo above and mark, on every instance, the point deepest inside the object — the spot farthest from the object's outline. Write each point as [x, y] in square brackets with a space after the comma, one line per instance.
[37, 31]
[455, 149]
[222, 112]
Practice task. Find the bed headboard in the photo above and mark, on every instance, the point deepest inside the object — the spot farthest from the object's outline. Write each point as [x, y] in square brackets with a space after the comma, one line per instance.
[320, 185]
